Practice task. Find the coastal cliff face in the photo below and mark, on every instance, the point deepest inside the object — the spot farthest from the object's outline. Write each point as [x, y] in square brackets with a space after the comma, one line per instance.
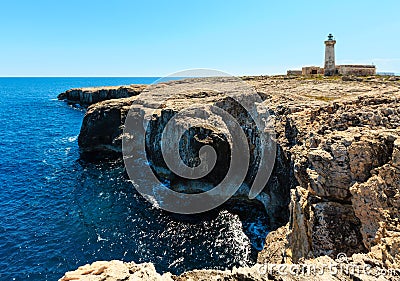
[344, 154]
[118, 270]
[336, 180]
[102, 131]
[88, 96]
[345, 160]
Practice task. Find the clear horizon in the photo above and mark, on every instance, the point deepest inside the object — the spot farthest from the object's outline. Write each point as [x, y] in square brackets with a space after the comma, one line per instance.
[157, 38]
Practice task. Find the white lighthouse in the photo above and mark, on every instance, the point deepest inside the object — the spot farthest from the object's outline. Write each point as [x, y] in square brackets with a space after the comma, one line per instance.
[330, 67]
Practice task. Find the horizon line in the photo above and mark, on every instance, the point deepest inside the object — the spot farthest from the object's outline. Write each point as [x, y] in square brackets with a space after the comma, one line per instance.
[148, 76]
[125, 76]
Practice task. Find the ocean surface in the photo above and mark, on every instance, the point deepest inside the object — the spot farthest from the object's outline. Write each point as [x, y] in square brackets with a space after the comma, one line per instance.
[58, 212]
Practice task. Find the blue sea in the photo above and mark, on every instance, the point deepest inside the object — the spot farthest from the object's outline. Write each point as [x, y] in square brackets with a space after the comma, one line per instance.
[58, 212]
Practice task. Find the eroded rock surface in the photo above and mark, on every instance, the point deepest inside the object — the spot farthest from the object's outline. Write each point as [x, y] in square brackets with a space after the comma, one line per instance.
[357, 267]
[337, 165]
[103, 127]
[88, 96]
[345, 160]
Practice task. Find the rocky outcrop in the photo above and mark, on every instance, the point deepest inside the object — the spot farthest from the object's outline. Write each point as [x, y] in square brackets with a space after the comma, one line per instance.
[87, 96]
[358, 267]
[101, 132]
[376, 203]
[345, 160]
[336, 176]
[103, 124]
[118, 270]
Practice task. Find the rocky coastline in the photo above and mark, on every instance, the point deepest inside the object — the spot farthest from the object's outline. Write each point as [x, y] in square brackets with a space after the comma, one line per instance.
[88, 96]
[335, 187]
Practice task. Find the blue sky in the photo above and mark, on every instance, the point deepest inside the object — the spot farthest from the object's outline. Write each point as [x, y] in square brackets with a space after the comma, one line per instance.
[156, 38]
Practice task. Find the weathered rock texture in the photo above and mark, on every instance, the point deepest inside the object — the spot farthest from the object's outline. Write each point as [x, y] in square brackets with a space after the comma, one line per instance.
[344, 155]
[358, 267]
[118, 270]
[88, 96]
[103, 124]
[337, 165]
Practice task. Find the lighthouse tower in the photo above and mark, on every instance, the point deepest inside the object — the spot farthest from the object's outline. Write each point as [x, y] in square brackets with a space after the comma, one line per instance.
[330, 67]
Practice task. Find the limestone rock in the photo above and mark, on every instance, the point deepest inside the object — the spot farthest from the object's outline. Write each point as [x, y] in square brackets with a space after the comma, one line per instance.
[356, 267]
[88, 96]
[103, 124]
[275, 247]
[336, 178]
[377, 204]
[101, 131]
[115, 270]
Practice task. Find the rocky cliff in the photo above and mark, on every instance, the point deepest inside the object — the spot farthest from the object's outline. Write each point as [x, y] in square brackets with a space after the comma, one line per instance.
[358, 267]
[336, 180]
[88, 96]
